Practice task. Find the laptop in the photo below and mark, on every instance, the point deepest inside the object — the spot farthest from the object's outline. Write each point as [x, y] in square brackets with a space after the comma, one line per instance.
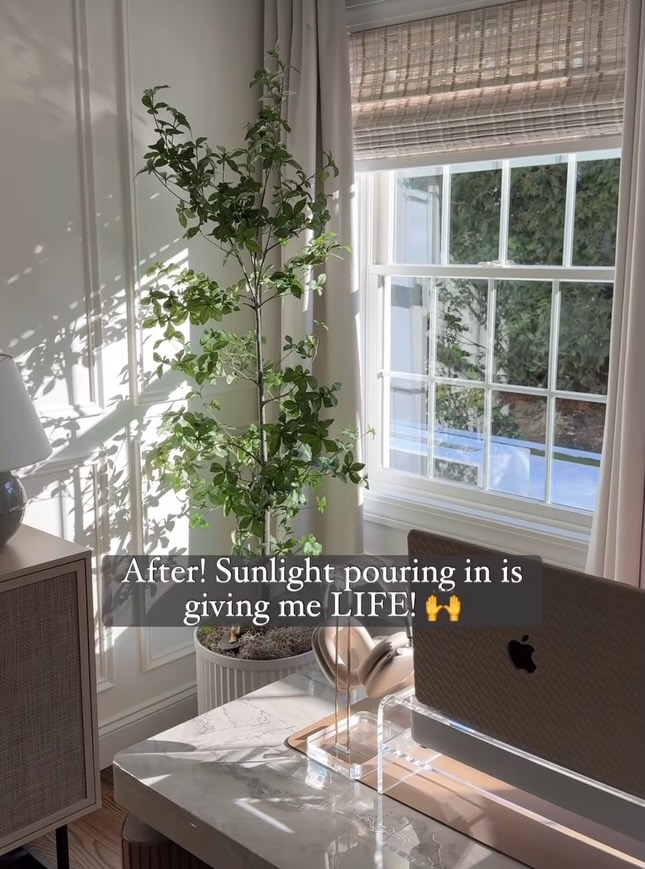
[570, 691]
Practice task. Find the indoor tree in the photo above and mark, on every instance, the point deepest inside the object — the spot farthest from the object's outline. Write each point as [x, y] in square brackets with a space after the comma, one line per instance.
[250, 202]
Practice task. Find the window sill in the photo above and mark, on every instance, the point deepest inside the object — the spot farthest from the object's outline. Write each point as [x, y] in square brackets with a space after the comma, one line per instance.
[400, 510]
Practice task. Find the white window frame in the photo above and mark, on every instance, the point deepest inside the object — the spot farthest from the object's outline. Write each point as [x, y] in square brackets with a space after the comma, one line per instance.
[400, 500]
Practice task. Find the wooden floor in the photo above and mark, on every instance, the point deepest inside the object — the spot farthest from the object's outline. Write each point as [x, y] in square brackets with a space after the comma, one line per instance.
[94, 841]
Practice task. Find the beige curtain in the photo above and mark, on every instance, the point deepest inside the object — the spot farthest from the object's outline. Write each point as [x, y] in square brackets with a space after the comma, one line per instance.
[312, 37]
[617, 548]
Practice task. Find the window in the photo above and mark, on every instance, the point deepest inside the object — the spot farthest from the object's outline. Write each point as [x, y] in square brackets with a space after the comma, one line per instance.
[486, 143]
[488, 300]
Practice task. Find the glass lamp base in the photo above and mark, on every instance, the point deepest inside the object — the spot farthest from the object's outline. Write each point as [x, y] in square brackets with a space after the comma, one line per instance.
[13, 501]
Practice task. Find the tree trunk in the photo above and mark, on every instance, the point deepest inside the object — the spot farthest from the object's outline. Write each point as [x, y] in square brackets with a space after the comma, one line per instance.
[257, 310]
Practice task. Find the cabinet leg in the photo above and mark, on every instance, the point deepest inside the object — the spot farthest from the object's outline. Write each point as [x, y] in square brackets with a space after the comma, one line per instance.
[62, 848]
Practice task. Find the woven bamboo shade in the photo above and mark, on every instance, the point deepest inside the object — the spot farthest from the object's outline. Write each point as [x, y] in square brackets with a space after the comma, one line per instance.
[528, 71]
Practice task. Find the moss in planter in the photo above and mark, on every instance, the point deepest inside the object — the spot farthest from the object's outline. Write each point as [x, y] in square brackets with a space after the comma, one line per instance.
[259, 644]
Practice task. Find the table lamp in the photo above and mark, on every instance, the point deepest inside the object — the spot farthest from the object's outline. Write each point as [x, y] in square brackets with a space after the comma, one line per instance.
[22, 442]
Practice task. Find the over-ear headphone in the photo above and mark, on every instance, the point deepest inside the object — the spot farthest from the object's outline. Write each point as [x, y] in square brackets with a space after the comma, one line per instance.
[349, 657]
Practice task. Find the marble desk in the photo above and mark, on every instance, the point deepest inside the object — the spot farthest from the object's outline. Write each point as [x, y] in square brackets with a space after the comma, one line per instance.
[226, 788]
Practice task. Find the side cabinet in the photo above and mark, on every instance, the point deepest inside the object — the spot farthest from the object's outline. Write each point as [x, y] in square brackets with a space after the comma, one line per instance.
[49, 773]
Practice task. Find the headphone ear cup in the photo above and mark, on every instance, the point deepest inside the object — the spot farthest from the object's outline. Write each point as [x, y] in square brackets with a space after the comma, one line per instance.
[316, 646]
[382, 651]
[354, 640]
[390, 676]
[385, 649]
[385, 670]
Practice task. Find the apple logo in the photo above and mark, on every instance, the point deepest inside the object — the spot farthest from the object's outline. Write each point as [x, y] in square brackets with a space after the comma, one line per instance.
[522, 654]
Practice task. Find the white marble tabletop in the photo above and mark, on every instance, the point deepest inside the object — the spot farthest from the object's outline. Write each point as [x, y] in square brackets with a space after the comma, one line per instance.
[227, 788]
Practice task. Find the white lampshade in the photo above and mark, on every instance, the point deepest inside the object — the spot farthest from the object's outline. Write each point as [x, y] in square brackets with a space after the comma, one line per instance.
[22, 438]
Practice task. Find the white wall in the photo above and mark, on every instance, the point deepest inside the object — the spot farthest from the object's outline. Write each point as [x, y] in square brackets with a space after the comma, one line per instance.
[77, 235]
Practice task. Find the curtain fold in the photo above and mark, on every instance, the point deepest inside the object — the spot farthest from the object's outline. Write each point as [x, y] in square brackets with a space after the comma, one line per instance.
[616, 549]
[312, 38]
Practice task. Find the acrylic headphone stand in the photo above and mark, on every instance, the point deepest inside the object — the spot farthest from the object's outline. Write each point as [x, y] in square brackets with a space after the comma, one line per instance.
[349, 742]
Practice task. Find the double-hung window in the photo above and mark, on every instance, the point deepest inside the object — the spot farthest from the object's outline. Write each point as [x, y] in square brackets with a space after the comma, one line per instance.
[488, 149]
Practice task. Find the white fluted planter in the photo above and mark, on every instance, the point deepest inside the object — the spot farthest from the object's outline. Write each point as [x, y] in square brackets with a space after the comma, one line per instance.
[221, 678]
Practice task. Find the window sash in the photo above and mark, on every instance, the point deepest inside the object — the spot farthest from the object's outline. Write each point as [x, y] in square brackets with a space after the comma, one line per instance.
[378, 219]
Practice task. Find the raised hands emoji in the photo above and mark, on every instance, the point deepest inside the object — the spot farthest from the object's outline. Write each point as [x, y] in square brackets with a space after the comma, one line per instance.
[433, 608]
[454, 608]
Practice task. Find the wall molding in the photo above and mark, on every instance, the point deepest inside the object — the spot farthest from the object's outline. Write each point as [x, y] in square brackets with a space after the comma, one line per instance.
[84, 136]
[151, 661]
[144, 720]
[130, 218]
[71, 411]
[94, 467]
[103, 684]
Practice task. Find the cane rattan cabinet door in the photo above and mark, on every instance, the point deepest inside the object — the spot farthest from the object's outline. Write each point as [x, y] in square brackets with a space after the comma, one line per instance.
[48, 768]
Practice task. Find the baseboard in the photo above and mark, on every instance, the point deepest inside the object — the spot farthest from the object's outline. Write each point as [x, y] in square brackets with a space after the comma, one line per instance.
[141, 722]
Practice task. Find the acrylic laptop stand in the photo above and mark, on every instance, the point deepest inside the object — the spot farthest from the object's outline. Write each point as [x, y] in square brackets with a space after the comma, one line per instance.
[516, 822]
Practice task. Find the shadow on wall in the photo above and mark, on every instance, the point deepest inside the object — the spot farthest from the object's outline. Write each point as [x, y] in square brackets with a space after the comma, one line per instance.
[69, 316]
[69, 259]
